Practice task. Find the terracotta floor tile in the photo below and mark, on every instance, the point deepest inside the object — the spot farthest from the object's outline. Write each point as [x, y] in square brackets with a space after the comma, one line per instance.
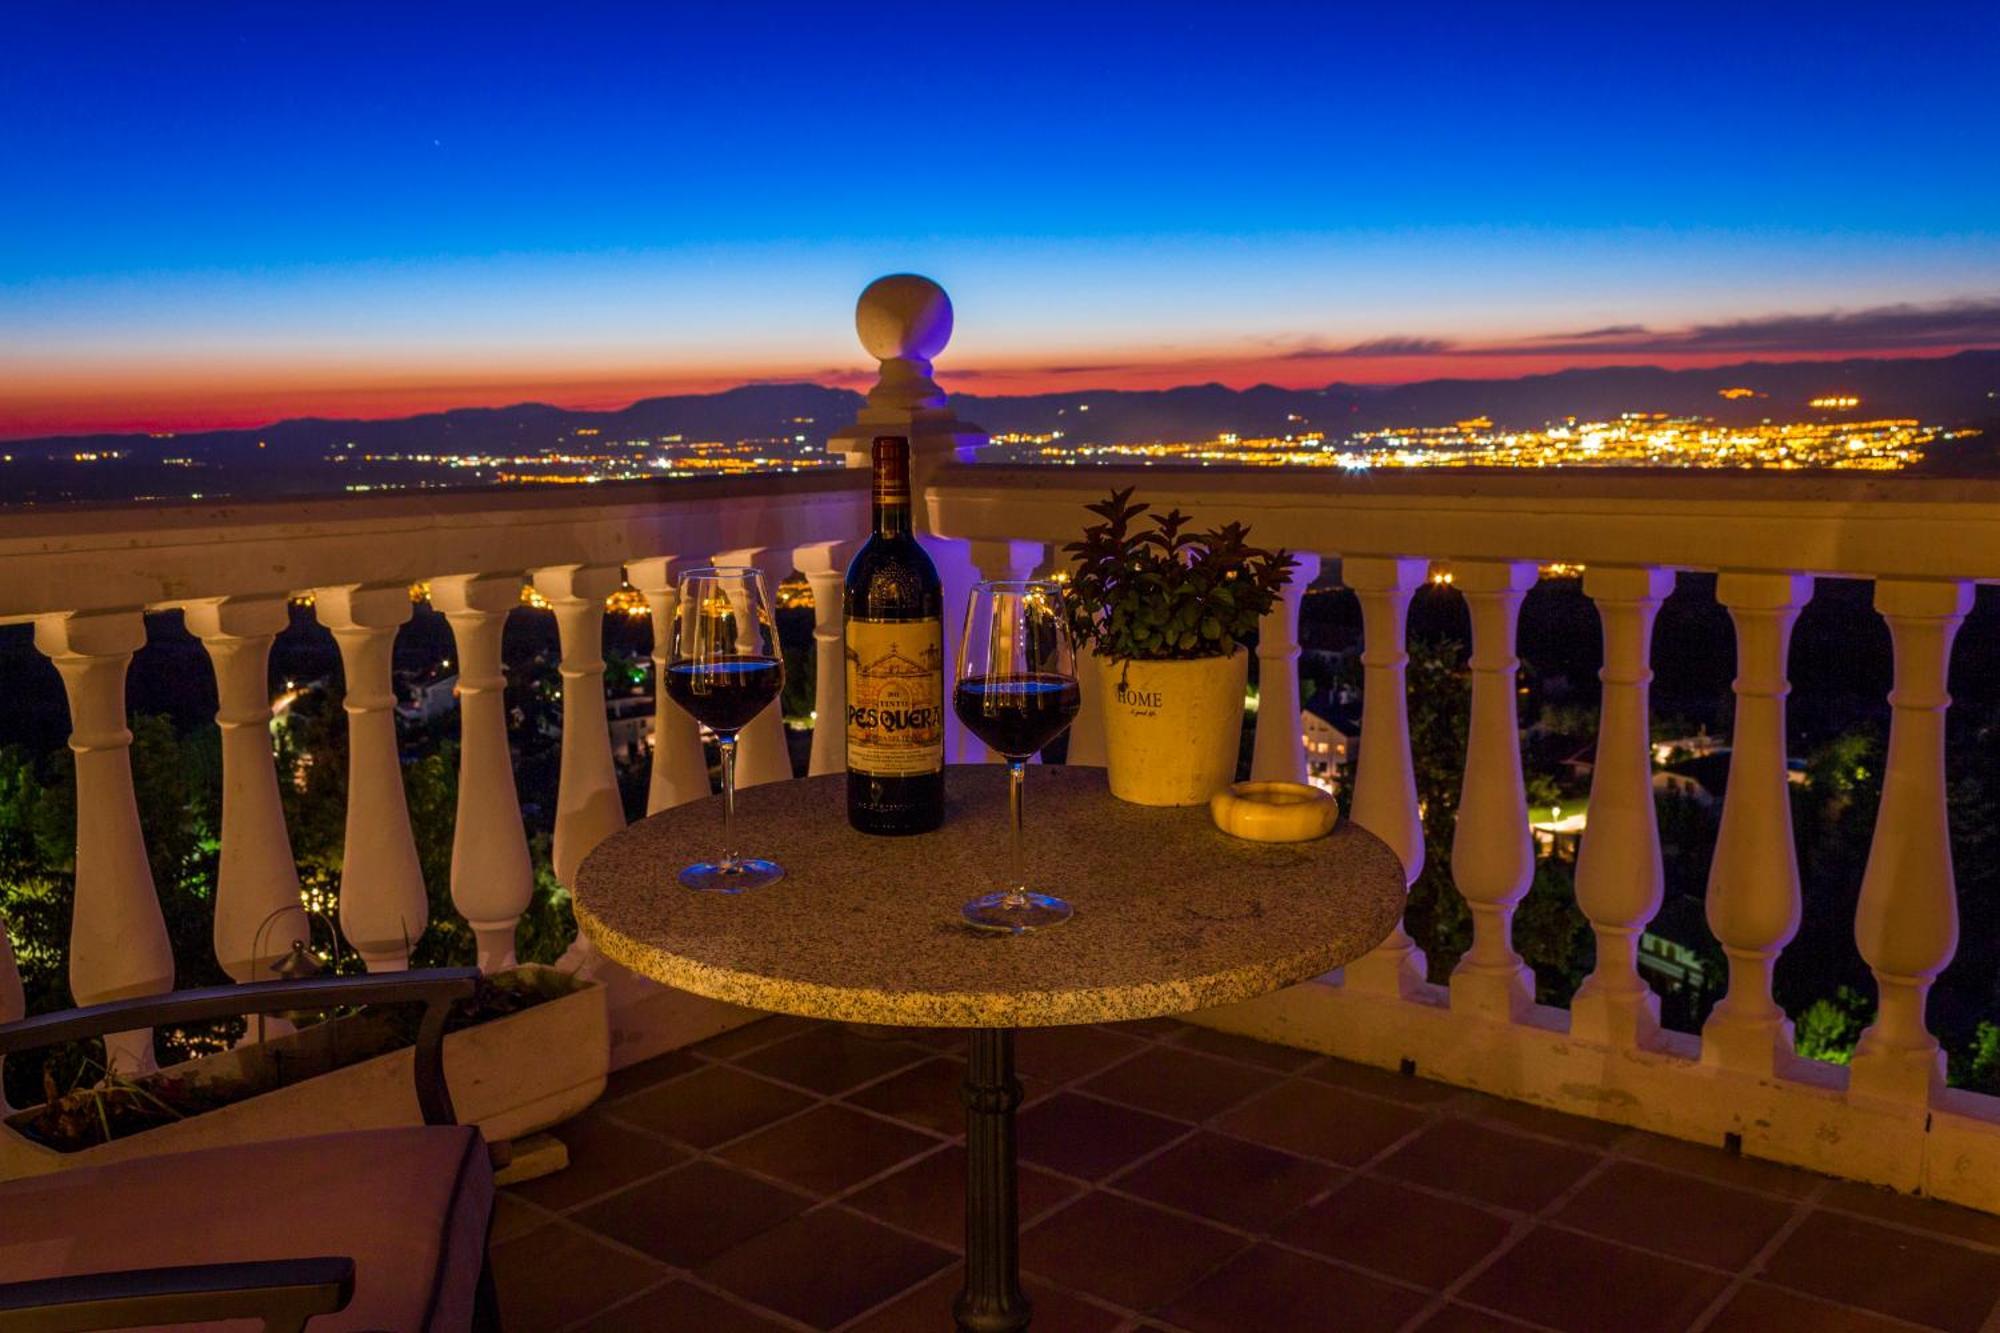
[1488, 1165]
[555, 1275]
[634, 1078]
[1268, 1290]
[1581, 1285]
[1540, 1120]
[1081, 1136]
[825, 1267]
[513, 1217]
[1682, 1216]
[831, 1059]
[1170, 1081]
[1157, 1029]
[1317, 1120]
[1757, 1308]
[1405, 1088]
[927, 1309]
[1397, 1231]
[690, 1215]
[1465, 1319]
[728, 1045]
[603, 1156]
[711, 1106]
[1248, 1050]
[1886, 1205]
[827, 1149]
[928, 1196]
[1725, 1168]
[681, 1305]
[1227, 1180]
[1057, 1055]
[1128, 1253]
[1920, 1278]
[924, 1095]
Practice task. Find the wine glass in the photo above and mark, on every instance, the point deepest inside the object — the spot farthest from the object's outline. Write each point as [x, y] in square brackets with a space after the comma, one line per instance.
[1016, 691]
[724, 668]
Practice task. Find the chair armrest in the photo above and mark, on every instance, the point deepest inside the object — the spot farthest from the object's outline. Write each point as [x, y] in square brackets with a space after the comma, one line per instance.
[284, 1293]
[436, 989]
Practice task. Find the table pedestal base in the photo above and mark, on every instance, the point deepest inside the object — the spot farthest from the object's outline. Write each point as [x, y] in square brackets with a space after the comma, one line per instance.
[992, 1301]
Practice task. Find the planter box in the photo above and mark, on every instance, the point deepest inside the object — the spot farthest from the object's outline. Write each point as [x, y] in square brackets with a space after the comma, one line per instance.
[510, 1076]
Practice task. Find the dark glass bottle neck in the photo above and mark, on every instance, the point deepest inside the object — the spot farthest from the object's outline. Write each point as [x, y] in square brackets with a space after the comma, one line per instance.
[892, 516]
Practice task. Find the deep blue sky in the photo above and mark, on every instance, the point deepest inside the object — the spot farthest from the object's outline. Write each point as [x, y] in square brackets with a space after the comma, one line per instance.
[336, 198]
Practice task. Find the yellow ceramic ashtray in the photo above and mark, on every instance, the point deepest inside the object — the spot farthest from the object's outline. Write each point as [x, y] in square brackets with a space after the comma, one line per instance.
[1274, 811]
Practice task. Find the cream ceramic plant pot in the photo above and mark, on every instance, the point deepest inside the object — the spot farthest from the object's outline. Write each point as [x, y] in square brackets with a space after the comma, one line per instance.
[1172, 730]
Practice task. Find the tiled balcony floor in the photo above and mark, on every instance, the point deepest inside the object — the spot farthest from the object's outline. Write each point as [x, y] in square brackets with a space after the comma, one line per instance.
[793, 1175]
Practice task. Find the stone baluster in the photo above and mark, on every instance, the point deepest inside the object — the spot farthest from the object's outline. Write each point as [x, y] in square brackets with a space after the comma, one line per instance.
[1086, 733]
[118, 944]
[680, 768]
[1907, 923]
[1385, 783]
[1619, 880]
[384, 907]
[257, 881]
[588, 806]
[1753, 882]
[1279, 750]
[762, 754]
[991, 561]
[1492, 849]
[825, 566]
[491, 879]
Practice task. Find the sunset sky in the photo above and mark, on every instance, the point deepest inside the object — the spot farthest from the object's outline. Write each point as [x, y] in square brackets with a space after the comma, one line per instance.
[265, 211]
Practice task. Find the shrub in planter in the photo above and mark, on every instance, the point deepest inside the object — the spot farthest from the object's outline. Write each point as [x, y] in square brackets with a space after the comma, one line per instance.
[1164, 612]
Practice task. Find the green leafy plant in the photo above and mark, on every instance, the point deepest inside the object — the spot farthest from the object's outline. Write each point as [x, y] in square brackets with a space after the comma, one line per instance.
[1157, 591]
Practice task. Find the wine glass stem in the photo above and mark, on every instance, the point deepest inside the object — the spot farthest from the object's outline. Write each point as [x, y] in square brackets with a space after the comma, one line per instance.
[1017, 776]
[727, 746]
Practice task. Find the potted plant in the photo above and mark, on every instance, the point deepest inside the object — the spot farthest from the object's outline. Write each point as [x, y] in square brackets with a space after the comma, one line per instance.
[1164, 612]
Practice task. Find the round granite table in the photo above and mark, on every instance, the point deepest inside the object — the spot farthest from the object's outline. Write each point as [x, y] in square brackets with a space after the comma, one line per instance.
[1172, 915]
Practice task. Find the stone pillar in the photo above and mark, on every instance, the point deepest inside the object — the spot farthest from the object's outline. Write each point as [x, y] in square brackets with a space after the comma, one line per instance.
[991, 562]
[1492, 850]
[491, 879]
[1907, 922]
[1385, 783]
[1619, 880]
[384, 907]
[13, 1000]
[680, 769]
[825, 566]
[1753, 882]
[1086, 734]
[257, 883]
[588, 806]
[1279, 752]
[762, 755]
[118, 945]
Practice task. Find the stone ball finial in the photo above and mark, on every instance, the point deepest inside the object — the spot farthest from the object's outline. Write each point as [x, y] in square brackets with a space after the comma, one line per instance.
[903, 315]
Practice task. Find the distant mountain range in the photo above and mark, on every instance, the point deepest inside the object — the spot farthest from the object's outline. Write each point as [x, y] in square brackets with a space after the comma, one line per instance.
[308, 454]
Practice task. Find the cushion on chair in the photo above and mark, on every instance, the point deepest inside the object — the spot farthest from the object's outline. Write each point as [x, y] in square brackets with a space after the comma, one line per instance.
[409, 1206]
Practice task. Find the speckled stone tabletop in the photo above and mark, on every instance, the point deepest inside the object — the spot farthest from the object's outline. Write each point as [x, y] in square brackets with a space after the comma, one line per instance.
[1172, 915]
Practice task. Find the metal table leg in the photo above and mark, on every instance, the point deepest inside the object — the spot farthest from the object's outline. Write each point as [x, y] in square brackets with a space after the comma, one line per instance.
[991, 1301]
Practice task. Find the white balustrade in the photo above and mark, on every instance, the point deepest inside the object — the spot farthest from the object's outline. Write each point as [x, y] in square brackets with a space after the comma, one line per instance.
[1619, 877]
[588, 806]
[492, 881]
[118, 943]
[1385, 781]
[1907, 922]
[257, 879]
[1278, 751]
[1753, 882]
[1492, 850]
[825, 566]
[680, 767]
[1086, 732]
[384, 908]
[762, 754]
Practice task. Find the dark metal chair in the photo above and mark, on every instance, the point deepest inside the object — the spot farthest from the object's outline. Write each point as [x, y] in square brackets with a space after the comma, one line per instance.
[235, 1267]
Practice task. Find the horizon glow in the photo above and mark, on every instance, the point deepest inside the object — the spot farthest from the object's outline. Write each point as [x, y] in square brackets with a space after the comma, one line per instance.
[249, 214]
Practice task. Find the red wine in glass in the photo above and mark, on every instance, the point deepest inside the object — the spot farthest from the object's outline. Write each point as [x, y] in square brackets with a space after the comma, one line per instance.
[1017, 713]
[725, 693]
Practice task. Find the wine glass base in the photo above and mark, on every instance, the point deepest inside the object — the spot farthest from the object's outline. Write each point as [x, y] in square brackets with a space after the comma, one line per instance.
[1030, 911]
[738, 876]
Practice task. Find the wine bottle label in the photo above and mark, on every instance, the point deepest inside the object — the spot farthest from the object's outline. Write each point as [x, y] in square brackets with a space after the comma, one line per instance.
[895, 697]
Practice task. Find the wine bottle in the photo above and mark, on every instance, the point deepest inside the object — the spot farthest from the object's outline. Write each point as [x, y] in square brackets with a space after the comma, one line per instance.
[895, 665]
